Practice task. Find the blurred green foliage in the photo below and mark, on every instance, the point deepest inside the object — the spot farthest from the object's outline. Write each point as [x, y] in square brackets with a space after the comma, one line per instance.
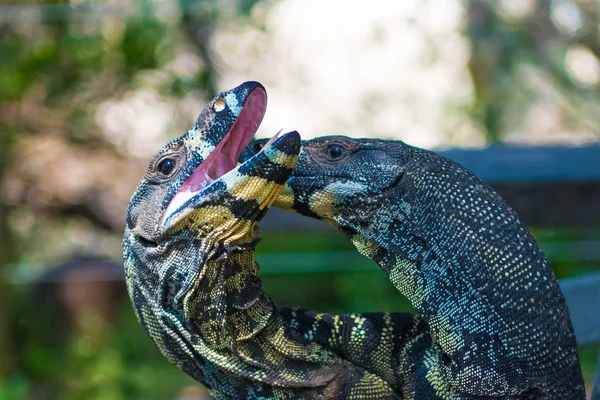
[101, 361]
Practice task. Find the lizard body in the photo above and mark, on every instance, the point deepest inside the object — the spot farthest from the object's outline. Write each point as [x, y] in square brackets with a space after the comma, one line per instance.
[194, 285]
[498, 321]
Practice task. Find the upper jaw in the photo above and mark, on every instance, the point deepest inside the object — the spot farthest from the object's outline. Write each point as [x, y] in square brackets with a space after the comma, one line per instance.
[223, 158]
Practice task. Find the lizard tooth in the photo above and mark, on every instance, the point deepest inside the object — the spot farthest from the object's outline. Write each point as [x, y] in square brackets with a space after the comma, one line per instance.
[273, 139]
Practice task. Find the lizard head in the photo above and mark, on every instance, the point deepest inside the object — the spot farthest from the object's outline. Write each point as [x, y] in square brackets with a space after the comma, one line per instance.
[334, 174]
[190, 163]
[193, 205]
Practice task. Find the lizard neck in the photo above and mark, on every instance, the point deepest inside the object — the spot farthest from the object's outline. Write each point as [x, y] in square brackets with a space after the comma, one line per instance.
[468, 314]
[476, 275]
[233, 299]
[237, 327]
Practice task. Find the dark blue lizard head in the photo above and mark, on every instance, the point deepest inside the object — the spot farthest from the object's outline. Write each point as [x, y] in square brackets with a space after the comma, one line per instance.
[334, 173]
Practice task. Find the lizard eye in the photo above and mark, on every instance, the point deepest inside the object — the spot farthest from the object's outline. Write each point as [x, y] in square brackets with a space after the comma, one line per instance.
[330, 151]
[335, 152]
[166, 166]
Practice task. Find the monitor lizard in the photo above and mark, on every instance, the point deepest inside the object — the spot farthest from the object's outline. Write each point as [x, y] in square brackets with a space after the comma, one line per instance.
[497, 317]
[190, 272]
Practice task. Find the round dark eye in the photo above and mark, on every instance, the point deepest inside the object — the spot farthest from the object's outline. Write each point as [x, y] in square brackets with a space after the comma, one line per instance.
[166, 166]
[335, 151]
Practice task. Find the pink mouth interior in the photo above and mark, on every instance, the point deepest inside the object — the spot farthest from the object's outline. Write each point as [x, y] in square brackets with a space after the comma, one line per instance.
[224, 157]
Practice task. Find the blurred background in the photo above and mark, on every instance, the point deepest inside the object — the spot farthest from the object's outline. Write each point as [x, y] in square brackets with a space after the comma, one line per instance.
[89, 90]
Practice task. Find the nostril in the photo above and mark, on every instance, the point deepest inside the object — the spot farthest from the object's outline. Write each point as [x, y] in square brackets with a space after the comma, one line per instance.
[257, 146]
[146, 242]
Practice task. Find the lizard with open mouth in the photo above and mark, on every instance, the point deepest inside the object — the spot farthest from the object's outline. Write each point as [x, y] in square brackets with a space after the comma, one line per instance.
[498, 321]
[193, 281]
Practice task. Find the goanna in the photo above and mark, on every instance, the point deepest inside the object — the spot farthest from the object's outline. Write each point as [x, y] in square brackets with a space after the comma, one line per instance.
[498, 320]
[194, 285]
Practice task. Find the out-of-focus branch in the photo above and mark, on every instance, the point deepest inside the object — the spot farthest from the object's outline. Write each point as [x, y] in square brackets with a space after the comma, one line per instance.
[490, 66]
[199, 26]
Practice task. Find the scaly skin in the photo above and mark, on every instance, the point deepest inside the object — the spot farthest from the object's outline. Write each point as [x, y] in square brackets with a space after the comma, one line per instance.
[194, 284]
[392, 346]
[498, 320]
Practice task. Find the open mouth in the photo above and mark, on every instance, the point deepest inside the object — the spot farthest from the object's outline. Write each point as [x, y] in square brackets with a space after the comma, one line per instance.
[225, 156]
